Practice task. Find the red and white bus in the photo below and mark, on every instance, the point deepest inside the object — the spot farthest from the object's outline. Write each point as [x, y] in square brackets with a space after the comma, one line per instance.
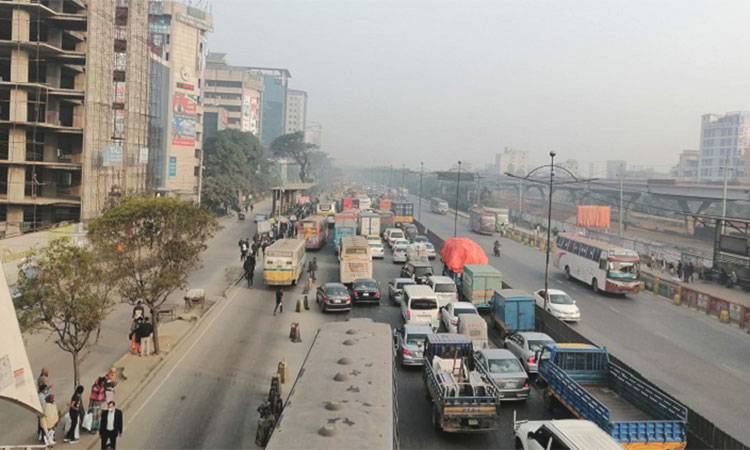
[604, 266]
[314, 230]
[481, 221]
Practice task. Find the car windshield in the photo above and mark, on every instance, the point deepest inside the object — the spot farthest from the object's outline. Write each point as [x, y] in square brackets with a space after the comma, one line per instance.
[376, 245]
[447, 287]
[536, 346]
[429, 246]
[336, 290]
[420, 239]
[457, 311]
[401, 284]
[560, 299]
[622, 269]
[368, 284]
[399, 249]
[506, 365]
[416, 339]
[396, 235]
[420, 271]
[423, 303]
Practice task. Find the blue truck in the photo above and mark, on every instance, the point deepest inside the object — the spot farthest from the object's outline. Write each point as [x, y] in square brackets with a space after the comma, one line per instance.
[582, 378]
[512, 311]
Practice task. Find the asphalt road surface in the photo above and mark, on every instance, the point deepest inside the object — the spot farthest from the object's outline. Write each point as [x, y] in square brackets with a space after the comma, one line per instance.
[207, 393]
[702, 362]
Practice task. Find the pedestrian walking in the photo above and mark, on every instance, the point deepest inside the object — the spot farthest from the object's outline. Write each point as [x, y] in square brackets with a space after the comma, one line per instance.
[43, 394]
[243, 250]
[279, 303]
[49, 420]
[146, 333]
[679, 269]
[249, 267]
[312, 267]
[138, 311]
[43, 380]
[110, 384]
[75, 410]
[691, 271]
[111, 427]
[96, 399]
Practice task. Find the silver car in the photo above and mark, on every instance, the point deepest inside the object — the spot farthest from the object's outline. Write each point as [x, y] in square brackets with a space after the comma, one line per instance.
[409, 343]
[506, 372]
[396, 288]
[525, 345]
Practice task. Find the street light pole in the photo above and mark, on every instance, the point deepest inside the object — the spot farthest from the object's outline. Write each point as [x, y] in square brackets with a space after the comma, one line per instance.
[421, 174]
[621, 177]
[455, 211]
[390, 181]
[549, 229]
[724, 194]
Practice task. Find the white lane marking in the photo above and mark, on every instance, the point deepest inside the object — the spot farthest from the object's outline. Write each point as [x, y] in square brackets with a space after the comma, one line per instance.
[659, 333]
[614, 309]
[187, 352]
[736, 372]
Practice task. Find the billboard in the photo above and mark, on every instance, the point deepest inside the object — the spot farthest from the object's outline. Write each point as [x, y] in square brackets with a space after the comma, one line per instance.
[184, 104]
[183, 130]
[172, 166]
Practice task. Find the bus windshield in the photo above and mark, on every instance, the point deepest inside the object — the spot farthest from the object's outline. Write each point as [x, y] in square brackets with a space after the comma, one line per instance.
[622, 269]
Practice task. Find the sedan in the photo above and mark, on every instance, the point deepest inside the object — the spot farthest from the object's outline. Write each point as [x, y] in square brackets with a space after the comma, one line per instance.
[430, 250]
[365, 290]
[525, 346]
[399, 242]
[409, 343]
[450, 312]
[396, 288]
[418, 270]
[560, 305]
[333, 297]
[506, 372]
[399, 254]
[420, 239]
[260, 217]
[376, 249]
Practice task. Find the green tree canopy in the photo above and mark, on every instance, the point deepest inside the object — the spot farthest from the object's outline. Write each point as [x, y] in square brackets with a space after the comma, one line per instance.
[294, 147]
[151, 245]
[63, 289]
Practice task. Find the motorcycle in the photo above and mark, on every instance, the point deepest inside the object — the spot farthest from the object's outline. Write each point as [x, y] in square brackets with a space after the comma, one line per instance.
[496, 251]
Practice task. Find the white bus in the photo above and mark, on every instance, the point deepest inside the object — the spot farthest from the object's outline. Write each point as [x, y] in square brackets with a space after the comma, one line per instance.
[345, 394]
[355, 259]
[284, 262]
[439, 206]
[602, 265]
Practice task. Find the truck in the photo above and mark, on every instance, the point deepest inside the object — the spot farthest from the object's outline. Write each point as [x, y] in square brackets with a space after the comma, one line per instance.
[479, 283]
[456, 253]
[464, 398]
[512, 311]
[384, 203]
[369, 224]
[502, 217]
[481, 221]
[403, 212]
[345, 225]
[582, 379]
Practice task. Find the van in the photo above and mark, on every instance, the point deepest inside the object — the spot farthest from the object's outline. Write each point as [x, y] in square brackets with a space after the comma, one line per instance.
[420, 306]
[474, 327]
[445, 289]
[391, 234]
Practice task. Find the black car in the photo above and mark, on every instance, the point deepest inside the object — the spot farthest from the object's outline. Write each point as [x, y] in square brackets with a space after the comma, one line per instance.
[365, 290]
[417, 270]
[333, 297]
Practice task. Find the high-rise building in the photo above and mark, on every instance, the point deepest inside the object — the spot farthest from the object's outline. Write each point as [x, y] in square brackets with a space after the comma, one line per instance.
[512, 161]
[724, 145]
[296, 111]
[232, 98]
[314, 134]
[686, 170]
[273, 108]
[177, 41]
[73, 108]
[598, 169]
[571, 165]
[616, 168]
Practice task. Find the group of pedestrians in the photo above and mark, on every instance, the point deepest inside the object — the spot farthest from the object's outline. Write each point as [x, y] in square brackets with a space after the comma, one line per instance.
[141, 334]
[108, 422]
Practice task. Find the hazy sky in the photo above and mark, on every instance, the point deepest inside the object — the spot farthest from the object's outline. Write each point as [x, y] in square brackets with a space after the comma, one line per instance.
[407, 81]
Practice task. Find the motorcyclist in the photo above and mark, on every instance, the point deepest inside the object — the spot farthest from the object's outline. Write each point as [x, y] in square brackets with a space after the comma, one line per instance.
[496, 248]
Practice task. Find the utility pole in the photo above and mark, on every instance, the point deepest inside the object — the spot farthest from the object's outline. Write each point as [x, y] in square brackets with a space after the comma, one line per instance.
[403, 179]
[479, 192]
[390, 181]
[621, 177]
[520, 198]
[455, 211]
[724, 194]
[421, 174]
[549, 226]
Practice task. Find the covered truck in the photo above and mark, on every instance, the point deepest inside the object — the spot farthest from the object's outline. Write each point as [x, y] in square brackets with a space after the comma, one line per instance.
[345, 225]
[368, 224]
[512, 311]
[464, 398]
[456, 253]
[479, 283]
[582, 378]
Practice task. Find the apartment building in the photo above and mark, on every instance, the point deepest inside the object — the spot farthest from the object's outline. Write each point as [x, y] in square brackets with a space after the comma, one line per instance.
[296, 111]
[273, 106]
[178, 52]
[73, 109]
[512, 161]
[686, 170]
[232, 97]
[724, 146]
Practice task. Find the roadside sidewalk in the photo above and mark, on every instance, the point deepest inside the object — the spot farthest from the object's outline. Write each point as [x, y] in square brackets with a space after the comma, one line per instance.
[220, 268]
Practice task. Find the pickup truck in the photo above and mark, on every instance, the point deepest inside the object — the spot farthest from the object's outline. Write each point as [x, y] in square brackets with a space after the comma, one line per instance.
[464, 397]
[583, 379]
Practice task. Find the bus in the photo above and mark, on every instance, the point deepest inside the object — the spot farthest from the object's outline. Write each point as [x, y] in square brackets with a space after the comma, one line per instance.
[344, 395]
[355, 259]
[403, 212]
[326, 208]
[481, 221]
[439, 206]
[602, 265]
[502, 217]
[314, 230]
[345, 225]
[284, 262]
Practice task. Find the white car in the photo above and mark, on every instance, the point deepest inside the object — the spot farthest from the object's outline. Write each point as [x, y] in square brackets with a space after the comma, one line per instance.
[376, 249]
[399, 254]
[565, 433]
[391, 234]
[431, 253]
[560, 305]
[398, 242]
[450, 312]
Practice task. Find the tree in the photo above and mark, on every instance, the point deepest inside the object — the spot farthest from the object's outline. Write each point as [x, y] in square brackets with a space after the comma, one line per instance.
[293, 146]
[64, 290]
[151, 245]
[233, 163]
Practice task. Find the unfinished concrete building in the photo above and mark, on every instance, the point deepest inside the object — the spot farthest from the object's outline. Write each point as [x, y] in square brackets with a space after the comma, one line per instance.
[73, 108]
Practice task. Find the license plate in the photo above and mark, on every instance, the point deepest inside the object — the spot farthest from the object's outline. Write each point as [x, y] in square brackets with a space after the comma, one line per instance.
[365, 294]
[418, 354]
[336, 300]
[473, 421]
[510, 385]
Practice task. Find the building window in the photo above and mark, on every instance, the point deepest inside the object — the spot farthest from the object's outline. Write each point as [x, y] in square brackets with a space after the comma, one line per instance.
[196, 170]
[197, 153]
[166, 56]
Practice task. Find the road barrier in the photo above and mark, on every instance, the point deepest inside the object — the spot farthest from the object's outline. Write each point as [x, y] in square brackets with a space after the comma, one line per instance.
[702, 433]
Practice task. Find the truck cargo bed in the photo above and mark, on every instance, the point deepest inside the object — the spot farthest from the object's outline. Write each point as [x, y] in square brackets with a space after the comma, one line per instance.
[619, 407]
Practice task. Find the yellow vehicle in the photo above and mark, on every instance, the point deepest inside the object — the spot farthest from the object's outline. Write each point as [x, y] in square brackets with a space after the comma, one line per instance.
[284, 262]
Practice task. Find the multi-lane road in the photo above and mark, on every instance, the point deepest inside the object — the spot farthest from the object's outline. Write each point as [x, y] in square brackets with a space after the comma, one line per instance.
[697, 359]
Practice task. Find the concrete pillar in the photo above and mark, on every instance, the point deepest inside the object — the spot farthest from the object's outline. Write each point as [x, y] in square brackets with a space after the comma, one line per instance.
[54, 37]
[17, 145]
[18, 105]
[19, 65]
[689, 223]
[13, 219]
[53, 74]
[52, 114]
[16, 183]
[21, 23]
[50, 147]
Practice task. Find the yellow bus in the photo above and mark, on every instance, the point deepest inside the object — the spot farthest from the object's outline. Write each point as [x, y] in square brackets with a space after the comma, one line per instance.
[284, 262]
[355, 259]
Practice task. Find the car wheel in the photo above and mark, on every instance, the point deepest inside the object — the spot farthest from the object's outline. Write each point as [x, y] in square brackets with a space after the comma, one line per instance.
[567, 273]
[595, 286]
